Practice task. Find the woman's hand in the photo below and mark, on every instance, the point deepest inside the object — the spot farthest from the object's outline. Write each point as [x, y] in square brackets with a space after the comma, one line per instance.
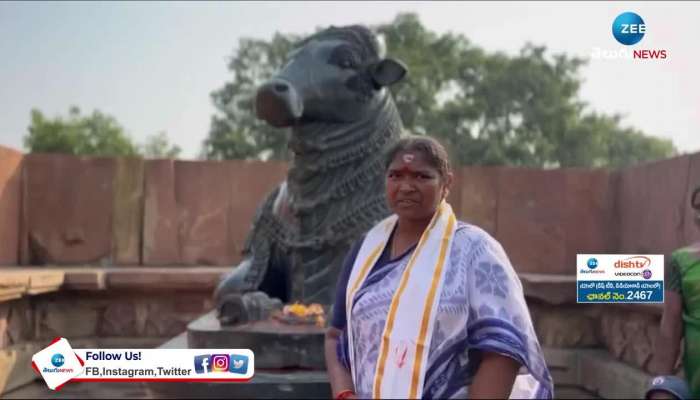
[338, 376]
[668, 341]
[494, 378]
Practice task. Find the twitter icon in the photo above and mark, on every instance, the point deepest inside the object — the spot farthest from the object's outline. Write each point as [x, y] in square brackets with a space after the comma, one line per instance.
[238, 364]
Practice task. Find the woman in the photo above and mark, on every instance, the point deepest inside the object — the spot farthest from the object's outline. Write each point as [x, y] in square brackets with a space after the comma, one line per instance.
[434, 308]
[681, 318]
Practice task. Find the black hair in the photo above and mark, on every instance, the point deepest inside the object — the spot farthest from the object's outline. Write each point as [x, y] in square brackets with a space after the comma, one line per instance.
[433, 151]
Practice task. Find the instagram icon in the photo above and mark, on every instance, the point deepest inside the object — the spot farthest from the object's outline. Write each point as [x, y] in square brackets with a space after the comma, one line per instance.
[219, 363]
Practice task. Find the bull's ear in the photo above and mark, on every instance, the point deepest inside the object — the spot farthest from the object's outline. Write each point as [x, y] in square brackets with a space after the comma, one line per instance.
[387, 72]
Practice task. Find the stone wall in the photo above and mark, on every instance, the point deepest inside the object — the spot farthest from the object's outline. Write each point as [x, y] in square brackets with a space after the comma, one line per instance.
[543, 218]
[115, 211]
[95, 307]
[10, 205]
[129, 302]
[627, 332]
[127, 211]
[199, 212]
[653, 205]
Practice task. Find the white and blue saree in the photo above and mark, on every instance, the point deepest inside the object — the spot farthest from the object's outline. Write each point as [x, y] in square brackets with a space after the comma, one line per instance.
[455, 295]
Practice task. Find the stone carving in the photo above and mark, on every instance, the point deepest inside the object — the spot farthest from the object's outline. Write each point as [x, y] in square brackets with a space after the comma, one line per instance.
[332, 94]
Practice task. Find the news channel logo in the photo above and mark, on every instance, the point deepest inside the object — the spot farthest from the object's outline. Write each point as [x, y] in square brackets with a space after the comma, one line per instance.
[592, 263]
[629, 28]
[234, 363]
[57, 360]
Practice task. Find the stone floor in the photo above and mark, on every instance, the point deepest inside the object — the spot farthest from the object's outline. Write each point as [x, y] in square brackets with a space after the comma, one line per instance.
[82, 390]
[136, 390]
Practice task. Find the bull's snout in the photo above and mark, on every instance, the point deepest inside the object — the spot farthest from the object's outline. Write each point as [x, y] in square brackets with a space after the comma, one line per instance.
[278, 103]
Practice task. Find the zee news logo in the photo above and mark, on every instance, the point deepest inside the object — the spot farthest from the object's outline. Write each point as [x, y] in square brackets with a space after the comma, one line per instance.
[629, 29]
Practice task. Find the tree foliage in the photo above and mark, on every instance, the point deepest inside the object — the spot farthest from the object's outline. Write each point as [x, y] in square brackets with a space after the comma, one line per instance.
[96, 134]
[235, 131]
[159, 146]
[489, 108]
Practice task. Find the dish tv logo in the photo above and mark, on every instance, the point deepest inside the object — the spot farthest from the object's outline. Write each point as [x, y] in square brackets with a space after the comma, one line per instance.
[629, 29]
[633, 262]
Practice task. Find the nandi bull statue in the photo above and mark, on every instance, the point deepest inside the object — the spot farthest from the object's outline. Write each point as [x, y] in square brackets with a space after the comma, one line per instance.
[332, 94]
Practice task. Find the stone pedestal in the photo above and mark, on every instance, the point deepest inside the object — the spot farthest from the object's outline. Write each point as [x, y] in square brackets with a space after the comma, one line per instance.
[275, 345]
[289, 361]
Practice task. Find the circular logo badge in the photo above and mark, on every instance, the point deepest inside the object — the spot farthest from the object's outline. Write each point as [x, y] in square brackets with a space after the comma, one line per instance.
[658, 380]
[646, 274]
[57, 360]
[592, 263]
[628, 28]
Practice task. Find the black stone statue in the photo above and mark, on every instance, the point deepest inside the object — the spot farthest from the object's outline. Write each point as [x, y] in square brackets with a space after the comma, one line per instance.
[332, 94]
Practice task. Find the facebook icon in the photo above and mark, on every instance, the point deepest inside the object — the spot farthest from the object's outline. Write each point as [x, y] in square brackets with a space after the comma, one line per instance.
[201, 364]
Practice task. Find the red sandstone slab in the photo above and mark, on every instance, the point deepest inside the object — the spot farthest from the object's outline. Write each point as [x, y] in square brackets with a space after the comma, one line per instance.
[251, 182]
[632, 208]
[588, 215]
[478, 187]
[454, 198]
[668, 181]
[199, 213]
[165, 278]
[691, 230]
[128, 211]
[161, 243]
[202, 190]
[10, 205]
[550, 288]
[650, 206]
[68, 209]
[85, 279]
[531, 210]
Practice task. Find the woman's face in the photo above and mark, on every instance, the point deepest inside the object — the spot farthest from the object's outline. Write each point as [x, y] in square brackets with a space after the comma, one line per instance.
[414, 188]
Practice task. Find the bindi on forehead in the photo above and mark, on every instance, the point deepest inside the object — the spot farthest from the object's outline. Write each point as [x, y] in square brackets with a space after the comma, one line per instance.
[409, 160]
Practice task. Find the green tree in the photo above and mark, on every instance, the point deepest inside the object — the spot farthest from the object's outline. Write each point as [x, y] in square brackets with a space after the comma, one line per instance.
[159, 146]
[97, 135]
[235, 131]
[488, 108]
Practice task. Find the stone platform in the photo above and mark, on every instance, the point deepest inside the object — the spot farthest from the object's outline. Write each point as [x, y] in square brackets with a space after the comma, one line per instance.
[276, 345]
[266, 383]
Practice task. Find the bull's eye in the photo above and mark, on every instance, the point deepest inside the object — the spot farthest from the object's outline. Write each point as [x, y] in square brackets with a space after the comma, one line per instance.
[347, 63]
[344, 57]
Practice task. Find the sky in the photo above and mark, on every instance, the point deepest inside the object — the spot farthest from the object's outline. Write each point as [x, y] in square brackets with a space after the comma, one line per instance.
[153, 65]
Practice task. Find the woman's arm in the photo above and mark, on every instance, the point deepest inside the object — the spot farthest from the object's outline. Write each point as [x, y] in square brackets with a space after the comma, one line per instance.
[337, 374]
[494, 378]
[668, 341]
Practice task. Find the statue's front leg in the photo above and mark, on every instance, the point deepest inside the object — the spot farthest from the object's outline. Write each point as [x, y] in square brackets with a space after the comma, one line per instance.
[238, 296]
[254, 288]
